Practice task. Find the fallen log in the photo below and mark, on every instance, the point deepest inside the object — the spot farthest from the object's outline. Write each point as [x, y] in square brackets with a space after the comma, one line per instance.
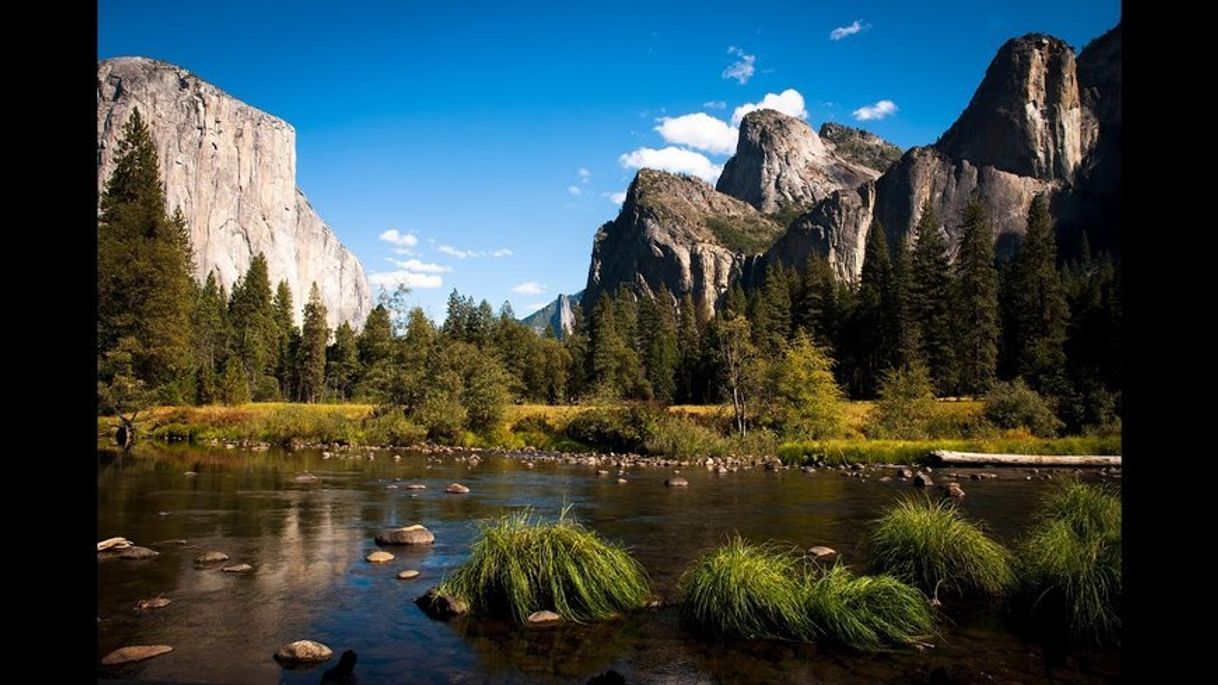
[950, 457]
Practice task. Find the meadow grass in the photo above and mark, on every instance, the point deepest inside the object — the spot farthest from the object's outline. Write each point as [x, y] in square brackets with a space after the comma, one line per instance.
[765, 591]
[932, 546]
[1071, 562]
[749, 591]
[866, 612]
[519, 565]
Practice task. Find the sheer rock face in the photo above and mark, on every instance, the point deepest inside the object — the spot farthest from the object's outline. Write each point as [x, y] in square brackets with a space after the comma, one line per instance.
[780, 162]
[836, 228]
[559, 316]
[860, 147]
[231, 168]
[678, 232]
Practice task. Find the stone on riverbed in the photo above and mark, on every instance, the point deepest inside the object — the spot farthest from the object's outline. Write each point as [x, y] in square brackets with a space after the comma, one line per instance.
[410, 535]
[954, 490]
[238, 568]
[408, 574]
[303, 652]
[676, 482]
[543, 618]
[127, 655]
[416, 486]
[154, 603]
[456, 489]
[136, 552]
[305, 478]
[822, 553]
[211, 558]
[379, 557]
[922, 480]
[441, 606]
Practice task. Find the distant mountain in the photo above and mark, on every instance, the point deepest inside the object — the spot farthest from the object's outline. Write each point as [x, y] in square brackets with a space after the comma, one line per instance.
[861, 147]
[559, 315]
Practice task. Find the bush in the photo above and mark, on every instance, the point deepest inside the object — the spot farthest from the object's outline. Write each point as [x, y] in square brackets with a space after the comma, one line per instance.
[442, 416]
[617, 429]
[518, 566]
[803, 399]
[906, 408]
[392, 428]
[1015, 405]
[681, 437]
[1072, 562]
[929, 544]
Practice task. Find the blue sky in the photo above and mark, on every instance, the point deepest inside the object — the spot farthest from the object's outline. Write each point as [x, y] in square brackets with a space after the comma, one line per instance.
[493, 139]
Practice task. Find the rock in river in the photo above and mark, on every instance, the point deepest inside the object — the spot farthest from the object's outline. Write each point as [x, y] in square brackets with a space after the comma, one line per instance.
[441, 606]
[410, 535]
[676, 482]
[212, 557]
[408, 574]
[456, 489]
[127, 655]
[136, 552]
[922, 480]
[542, 618]
[154, 603]
[416, 486]
[303, 652]
[238, 568]
[379, 557]
[113, 543]
[822, 553]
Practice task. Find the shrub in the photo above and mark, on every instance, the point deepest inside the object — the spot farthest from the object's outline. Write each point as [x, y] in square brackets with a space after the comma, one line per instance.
[443, 416]
[518, 565]
[866, 612]
[1072, 562]
[929, 544]
[906, 408]
[803, 399]
[748, 591]
[392, 428]
[618, 429]
[681, 437]
[1015, 405]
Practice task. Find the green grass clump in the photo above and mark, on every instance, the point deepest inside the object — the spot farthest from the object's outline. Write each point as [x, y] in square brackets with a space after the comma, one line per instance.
[931, 545]
[1071, 562]
[751, 591]
[748, 591]
[519, 565]
[866, 612]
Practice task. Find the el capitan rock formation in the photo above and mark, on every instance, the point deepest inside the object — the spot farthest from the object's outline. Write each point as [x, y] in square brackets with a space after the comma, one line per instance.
[231, 168]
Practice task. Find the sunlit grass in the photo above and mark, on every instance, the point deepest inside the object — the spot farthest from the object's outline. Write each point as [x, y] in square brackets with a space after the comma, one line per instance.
[866, 612]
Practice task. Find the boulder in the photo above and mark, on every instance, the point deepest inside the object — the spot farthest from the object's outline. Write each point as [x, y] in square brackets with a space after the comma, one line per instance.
[408, 574]
[211, 558]
[822, 553]
[676, 482]
[410, 535]
[126, 655]
[303, 652]
[542, 618]
[379, 557]
[137, 553]
[441, 606]
[238, 568]
[456, 489]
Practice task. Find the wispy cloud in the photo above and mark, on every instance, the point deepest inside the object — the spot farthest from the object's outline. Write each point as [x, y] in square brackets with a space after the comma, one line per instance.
[504, 252]
[714, 104]
[466, 254]
[880, 110]
[410, 279]
[789, 101]
[699, 131]
[672, 159]
[420, 266]
[396, 237]
[846, 31]
[743, 68]
[584, 175]
[575, 190]
[529, 288]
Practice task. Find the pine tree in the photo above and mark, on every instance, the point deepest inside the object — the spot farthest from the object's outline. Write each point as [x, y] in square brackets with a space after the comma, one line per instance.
[661, 355]
[234, 383]
[874, 335]
[376, 348]
[342, 362]
[689, 349]
[456, 316]
[312, 353]
[1036, 306]
[930, 300]
[145, 292]
[976, 327]
[772, 311]
[817, 307]
[906, 348]
[256, 337]
[287, 332]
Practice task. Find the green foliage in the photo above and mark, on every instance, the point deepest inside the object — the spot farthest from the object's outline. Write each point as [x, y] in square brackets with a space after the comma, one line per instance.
[256, 340]
[519, 565]
[906, 409]
[866, 612]
[1072, 562]
[932, 546]
[746, 235]
[746, 591]
[119, 390]
[804, 400]
[1015, 405]
[234, 385]
[342, 363]
[617, 429]
[392, 428]
[975, 319]
[930, 280]
[312, 354]
[1035, 306]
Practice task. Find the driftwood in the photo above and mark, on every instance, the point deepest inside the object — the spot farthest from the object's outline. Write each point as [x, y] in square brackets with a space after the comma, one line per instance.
[949, 457]
[113, 543]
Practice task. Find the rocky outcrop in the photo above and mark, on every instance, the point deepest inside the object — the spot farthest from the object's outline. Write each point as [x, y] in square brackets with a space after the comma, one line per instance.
[559, 316]
[835, 228]
[676, 231]
[860, 147]
[231, 169]
[780, 162]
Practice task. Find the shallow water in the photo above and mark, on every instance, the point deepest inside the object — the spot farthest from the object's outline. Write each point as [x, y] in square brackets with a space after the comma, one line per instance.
[307, 544]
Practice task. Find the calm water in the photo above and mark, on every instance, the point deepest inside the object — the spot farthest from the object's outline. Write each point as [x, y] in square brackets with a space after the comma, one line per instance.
[307, 544]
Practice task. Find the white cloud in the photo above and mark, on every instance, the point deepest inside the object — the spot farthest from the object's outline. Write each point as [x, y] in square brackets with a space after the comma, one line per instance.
[879, 110]
[673, 159]
[529, 288]
[742, 69]
[454, 252]
[504, 252]
[715, 104]
[788, 101]
[421, 267]
[699, 131]
[574, 190]
[584, 175]
[615, 198]
[410, 279]
[398, 238]
[465, 254]
[844, 31]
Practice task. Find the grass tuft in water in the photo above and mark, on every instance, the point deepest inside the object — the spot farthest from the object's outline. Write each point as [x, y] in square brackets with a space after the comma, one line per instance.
[933, 547]
[749, 591]
[866, 612]
[519, 565]
[1072, 562]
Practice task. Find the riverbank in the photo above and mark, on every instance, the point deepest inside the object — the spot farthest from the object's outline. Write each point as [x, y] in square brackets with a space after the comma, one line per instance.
[682, 434]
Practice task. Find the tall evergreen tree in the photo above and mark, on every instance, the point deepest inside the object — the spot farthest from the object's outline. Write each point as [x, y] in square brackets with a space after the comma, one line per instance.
[689, 349]
[817, 309]
[312, 352]
[873, 328]
[661, 355]
[342, 362]
[906, 348]
[1036, 308]
[145, 292]
[210, 328]
[287, 332]
[255, 331]
[976, 326]
[772, 311]
[930, 300]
